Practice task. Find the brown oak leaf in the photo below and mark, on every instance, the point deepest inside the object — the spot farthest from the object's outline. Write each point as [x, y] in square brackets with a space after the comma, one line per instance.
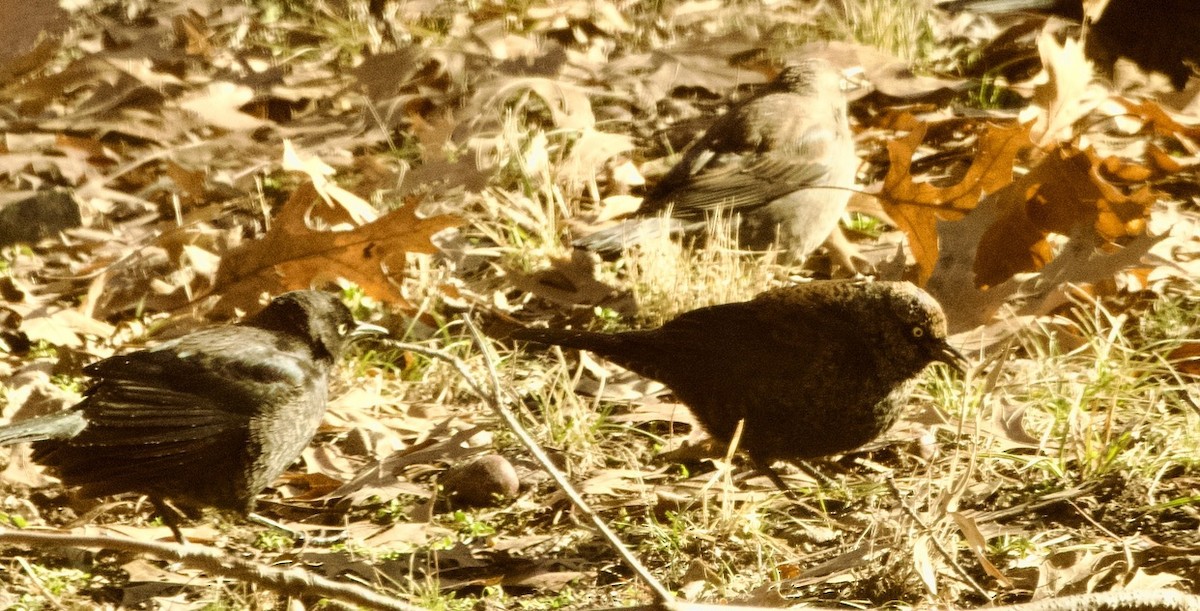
[293, 255]
[1058, 194]
[916, 207]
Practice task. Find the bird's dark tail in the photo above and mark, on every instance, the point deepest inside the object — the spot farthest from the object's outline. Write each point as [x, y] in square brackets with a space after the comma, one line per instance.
[638, 351]
[63, 425]
[600, 343]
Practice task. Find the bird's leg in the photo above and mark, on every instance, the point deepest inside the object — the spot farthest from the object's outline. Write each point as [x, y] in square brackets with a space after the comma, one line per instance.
[765, 468]
[823, 480]
[171, 517]
[773, 475]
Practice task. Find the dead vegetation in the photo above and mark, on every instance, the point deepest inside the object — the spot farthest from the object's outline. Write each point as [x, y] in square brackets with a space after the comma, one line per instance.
[170, 162]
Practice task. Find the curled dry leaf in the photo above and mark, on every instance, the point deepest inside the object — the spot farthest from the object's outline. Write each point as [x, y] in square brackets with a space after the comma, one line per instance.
[1060, 193]
[1064, 93]
[321, 175]
[574, 281]
[567, 103]
[219, 104]
[590, 151]
[970, 254]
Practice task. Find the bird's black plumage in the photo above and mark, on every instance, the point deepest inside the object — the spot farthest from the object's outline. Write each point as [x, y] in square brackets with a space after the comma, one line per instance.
[206, 420]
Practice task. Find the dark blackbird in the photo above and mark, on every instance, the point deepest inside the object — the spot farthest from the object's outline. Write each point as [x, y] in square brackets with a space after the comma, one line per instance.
[812, 370]
[206, 420]
[772, 159]
[1158, 36]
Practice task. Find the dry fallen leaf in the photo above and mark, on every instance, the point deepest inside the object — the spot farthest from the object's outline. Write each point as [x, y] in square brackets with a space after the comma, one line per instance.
[573, 281]
[321, 175]
[219, 104]
[917, 207]
[294, 256]
[1064, 93]
[442, 166]
[568, 103]
[1186, 358]
[1064, 190]
[964, 248]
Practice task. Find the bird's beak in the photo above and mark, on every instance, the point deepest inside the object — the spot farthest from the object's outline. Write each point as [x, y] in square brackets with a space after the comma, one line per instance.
[366, 329]
[949, 355]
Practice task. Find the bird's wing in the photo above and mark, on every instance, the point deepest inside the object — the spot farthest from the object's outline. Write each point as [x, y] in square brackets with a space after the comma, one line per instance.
[810, 314]
[801, 316]
[239, 365]
[770, 147]
[738, 189]
[721, 147]
[629, 232]
[709, 354]
[747, 186]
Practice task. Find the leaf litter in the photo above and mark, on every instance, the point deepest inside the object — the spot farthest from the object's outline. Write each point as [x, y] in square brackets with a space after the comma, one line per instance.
[436, 158]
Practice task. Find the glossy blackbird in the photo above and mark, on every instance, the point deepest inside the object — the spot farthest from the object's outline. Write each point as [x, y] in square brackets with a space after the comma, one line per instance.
[771, 158]
[812, 370]
[205, 420]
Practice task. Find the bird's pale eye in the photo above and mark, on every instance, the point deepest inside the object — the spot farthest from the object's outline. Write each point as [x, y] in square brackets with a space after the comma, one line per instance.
[343, 329]
[918, 332]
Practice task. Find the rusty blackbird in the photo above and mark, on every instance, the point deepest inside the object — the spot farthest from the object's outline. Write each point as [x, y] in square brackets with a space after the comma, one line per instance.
[1157, 37]
[205, 420]
[782, 159]
[812, 369]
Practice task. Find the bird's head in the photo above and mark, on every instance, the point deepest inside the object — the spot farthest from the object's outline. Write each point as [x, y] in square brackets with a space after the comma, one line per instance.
[319, 318]
[923, 325]
[811, 76]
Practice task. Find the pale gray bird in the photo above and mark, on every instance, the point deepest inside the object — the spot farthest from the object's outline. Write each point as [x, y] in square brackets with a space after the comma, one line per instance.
[770, 159]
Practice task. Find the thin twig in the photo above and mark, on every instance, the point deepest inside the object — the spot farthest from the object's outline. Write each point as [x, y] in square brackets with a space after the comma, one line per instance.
[494, 400]
[288, 582]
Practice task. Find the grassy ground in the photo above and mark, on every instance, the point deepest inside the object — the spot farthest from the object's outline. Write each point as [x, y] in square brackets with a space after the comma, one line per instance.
[1065, 462]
